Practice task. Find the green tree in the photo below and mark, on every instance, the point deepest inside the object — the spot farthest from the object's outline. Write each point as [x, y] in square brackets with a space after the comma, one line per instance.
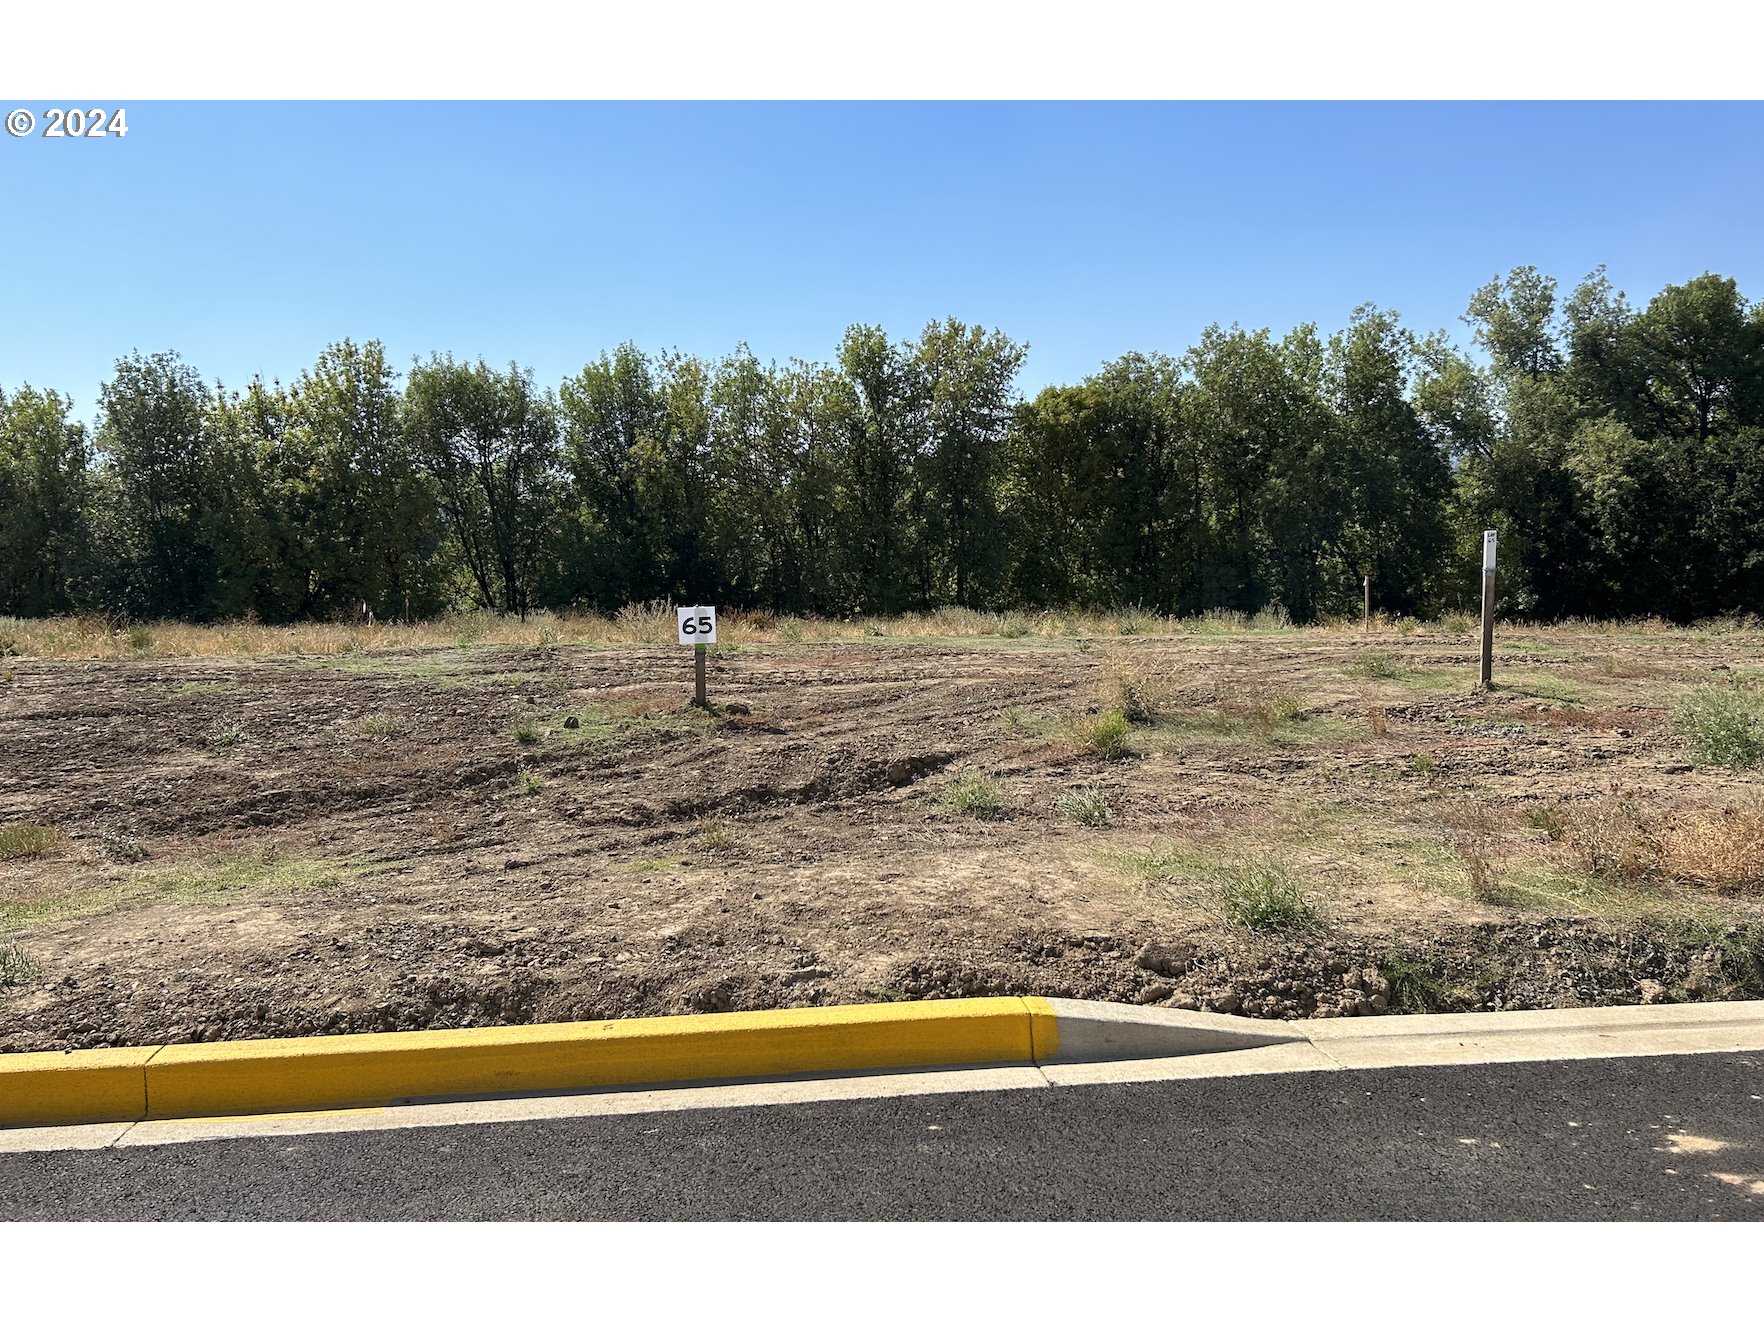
[369, 519]
[966, 382]
[876, 457]
[44, 490]
[607, 412]
[489, 440]
[1087, 490]
[1394, 476]
[159, 453]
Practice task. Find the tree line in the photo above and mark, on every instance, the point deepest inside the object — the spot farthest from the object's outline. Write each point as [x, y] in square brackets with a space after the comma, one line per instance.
[1619, 450]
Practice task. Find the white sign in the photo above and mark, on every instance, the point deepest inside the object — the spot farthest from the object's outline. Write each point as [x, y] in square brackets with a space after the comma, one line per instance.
[1488, 551]
[696, 624]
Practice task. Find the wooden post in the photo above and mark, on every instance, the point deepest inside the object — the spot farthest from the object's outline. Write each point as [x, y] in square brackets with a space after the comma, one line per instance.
[1488, 599]
[698, 674]
[1366, 583]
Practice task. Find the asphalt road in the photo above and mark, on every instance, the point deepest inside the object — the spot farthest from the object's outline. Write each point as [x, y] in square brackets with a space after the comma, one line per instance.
[1634, 1138]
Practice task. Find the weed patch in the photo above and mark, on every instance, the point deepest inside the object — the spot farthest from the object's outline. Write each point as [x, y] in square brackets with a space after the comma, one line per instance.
[1474, 836]
[972, 795]
[1137, 686]
[1087, 808]
[1723, 723]
[1262, 895]
[385, 726]
[1104, 735]
[1375, 666]
[28, 840]
[1722, 850]
[1414, 989]
[1609, 839]
[16, 968]
[267, 869]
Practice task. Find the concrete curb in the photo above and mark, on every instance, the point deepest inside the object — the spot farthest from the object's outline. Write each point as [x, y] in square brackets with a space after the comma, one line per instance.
[367, 1070]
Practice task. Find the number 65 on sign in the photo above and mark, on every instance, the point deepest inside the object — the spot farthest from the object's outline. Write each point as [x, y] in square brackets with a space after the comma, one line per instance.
[696, 624]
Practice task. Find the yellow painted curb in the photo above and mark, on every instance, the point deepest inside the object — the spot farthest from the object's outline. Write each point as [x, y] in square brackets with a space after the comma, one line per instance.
[356, 1070]
[71, 1088]
[364, 1070]
[1044, 1029]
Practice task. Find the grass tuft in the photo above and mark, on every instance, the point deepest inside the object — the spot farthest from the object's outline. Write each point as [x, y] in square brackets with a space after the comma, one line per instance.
[1087, 808]
[1376, 666]
[1104, 735]
[16, 968]
[28, 840]
[973, 795]
[1137, 687]
[385, 726]
[1413, 988]
[1262, 895]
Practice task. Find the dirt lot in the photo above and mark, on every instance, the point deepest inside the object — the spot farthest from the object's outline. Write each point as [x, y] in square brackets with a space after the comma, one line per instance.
[244, 847]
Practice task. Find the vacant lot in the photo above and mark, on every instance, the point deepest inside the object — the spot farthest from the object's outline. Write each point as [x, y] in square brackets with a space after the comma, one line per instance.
[1281, 823]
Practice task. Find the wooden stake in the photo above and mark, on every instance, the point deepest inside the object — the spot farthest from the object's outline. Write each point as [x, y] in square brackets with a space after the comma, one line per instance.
[1366, 583]
[698, 674]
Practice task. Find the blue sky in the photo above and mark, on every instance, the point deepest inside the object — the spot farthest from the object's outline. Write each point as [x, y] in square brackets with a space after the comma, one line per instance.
[247, 236]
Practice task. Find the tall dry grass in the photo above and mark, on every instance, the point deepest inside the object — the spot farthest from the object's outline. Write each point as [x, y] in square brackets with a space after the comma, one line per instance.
[651, 624]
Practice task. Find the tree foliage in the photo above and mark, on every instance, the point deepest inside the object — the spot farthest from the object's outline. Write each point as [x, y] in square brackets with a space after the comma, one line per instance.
[1619, 450]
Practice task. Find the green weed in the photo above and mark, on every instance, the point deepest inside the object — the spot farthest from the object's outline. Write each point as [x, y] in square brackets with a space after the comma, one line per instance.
[1414, 990]
[972, 795]
[1375, 666]
[385, 726]
[1105, 735]
[1262, 895]
[16, 968]
[1723, 723]
[28, 840]
[1087, 808]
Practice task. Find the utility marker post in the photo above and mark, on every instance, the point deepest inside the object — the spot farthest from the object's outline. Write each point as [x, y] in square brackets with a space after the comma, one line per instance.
[697, 626]
[1488, 598]
[1366, 584]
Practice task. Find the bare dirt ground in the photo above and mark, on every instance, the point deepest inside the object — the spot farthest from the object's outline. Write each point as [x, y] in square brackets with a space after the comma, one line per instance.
[248, 847]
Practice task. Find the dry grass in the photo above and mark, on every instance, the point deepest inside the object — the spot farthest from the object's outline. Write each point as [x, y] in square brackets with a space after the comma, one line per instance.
[1723, 849]
[651, 624]
[1474, 835]
[385, 726]
[1140, 686]
[28, 840]
[1611, 839]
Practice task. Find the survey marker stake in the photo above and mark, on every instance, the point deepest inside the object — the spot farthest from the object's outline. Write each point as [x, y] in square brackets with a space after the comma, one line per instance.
[697, 626]
[1488, 597]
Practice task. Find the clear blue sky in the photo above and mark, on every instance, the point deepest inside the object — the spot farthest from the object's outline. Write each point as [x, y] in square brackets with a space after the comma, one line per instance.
[247, 236]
